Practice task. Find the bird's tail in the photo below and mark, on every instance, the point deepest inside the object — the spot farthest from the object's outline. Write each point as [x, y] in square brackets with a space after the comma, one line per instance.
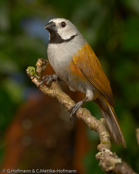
[112, 122]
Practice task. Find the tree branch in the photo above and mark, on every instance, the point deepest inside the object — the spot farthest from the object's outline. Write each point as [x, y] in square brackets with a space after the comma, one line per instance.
[108, 160]
[137, 135]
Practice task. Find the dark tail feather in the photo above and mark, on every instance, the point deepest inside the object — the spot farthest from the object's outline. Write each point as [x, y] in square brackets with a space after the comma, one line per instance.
[112, 123]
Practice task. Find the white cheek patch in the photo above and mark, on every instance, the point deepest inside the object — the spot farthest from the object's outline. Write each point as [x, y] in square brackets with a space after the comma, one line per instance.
[65, 33]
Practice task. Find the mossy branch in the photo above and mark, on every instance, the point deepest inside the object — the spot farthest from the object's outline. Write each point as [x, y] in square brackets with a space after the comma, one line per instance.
[108, 160]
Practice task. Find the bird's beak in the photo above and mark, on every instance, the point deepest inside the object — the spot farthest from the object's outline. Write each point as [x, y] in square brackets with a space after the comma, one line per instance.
[51, 27]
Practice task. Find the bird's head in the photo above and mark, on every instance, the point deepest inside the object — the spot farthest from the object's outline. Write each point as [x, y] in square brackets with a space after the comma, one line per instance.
[61, 30]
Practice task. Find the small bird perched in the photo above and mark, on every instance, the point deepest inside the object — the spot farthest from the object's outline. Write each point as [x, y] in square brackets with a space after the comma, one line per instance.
[75, 62]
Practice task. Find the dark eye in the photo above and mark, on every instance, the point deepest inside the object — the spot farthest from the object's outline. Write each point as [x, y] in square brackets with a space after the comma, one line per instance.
[63, 24]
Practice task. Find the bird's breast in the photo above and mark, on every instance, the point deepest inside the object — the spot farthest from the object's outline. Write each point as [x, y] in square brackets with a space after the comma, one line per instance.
[61, 59]
[60, 55]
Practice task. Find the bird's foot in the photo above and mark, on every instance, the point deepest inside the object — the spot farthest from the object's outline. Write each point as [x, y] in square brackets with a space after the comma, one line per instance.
[75, 107]
[49, 79]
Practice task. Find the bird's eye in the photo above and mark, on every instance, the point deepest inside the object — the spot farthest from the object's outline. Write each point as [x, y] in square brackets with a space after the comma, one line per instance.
[63, 24]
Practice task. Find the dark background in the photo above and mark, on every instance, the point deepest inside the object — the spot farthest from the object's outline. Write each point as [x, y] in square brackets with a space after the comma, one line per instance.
[112, 29]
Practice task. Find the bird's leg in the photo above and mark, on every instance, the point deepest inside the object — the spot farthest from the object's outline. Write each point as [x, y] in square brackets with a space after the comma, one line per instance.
[49, 79]
[75, 107]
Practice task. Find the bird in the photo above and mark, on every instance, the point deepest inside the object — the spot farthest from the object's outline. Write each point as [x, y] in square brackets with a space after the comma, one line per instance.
[75, 63]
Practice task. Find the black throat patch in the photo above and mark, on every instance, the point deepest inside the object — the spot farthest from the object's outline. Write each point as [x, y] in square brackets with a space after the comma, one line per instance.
[55, 38]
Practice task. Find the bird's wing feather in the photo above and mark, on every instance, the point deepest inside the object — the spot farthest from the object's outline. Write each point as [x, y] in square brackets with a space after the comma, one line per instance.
[87, 62]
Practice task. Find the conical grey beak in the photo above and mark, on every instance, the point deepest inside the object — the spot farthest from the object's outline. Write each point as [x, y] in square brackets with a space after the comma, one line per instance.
[51, 27]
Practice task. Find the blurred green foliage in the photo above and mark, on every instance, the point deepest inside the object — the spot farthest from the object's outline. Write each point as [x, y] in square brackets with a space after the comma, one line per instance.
[110, 27]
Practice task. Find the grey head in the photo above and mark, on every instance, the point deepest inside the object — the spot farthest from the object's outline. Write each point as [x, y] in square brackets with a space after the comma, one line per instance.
[61, 30]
